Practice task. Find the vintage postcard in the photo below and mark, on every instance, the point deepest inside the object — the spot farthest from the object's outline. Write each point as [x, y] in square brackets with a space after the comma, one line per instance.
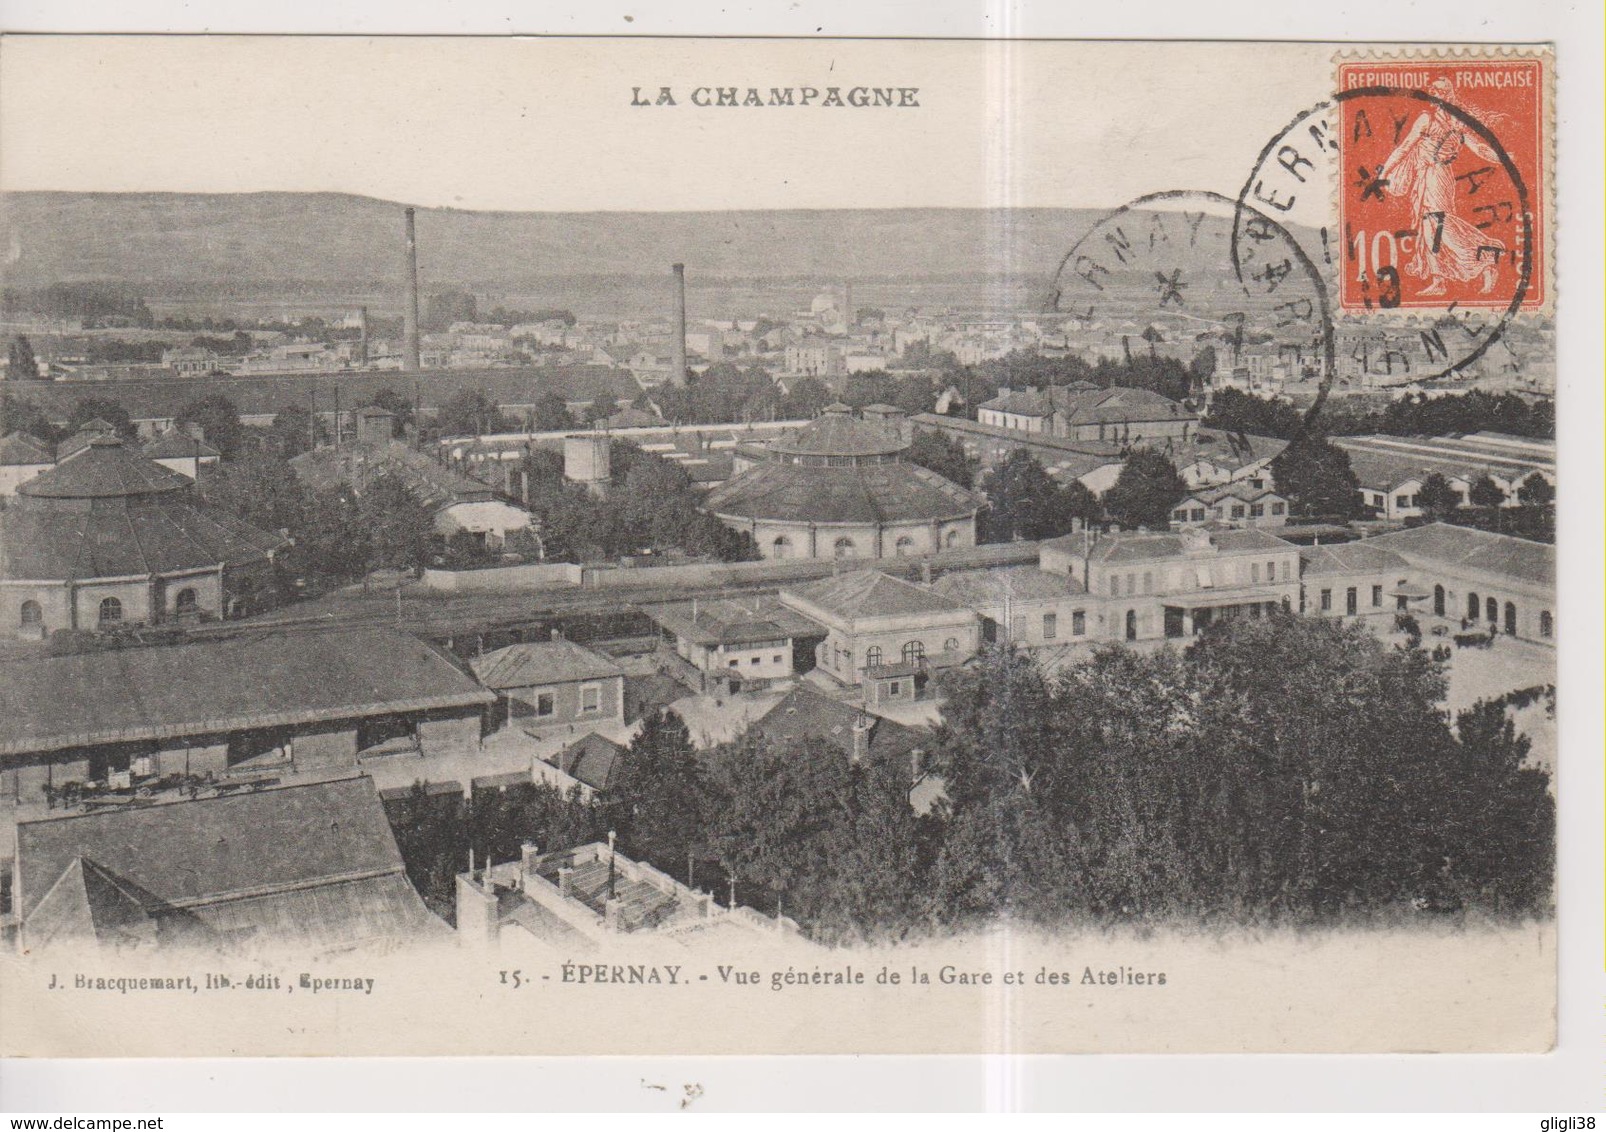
[619, 546]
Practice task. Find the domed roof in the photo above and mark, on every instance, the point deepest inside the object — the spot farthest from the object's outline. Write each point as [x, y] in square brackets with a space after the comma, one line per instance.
[867, 493]
[836, 432]
[103, 469]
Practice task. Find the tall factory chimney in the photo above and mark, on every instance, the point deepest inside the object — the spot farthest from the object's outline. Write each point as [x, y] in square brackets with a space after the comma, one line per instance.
[362, 337]
[678, 377]
[410, 360]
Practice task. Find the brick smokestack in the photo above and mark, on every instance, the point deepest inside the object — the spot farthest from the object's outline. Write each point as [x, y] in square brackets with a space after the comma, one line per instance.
[362, 340]
[410, 359]
[679, 374]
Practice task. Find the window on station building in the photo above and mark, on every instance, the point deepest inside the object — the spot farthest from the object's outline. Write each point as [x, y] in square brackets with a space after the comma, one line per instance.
[1257, 510]
[1254, 572]
[1078, 623]
[546, 703]
[914, 652]
[1051, 625]
[1547, 626]
[1351, 601]
[872, 656]
[1278, 508]
[951, 645]
[1377, 595]
[1237, 510]
[844, 547]
[905, 545]
[111, 611]
[31, 613]
[781, 547]
[187, 601]
[591, 697]
[1327, 601]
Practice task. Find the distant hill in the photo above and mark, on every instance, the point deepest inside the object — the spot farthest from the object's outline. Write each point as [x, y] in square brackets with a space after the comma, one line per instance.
[334, 238]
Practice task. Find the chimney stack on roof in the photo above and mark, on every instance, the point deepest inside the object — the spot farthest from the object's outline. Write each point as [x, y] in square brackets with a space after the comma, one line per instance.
[410, 352]
[678, 377]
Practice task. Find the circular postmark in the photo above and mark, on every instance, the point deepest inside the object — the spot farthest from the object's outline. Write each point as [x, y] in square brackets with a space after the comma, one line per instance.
[1419, 217]
[1156, 278]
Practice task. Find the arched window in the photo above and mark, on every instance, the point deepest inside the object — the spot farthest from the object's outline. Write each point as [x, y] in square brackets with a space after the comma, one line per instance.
[1511, 618]
[952, 539]
[1491, 609]
[914, 652]
[1472, 607]
[781, 547]
[1546, 625]
[872, 656]
[186, 602]
[905, 545]
[1438, 600]
[951, 645]
[844, 547]
[31, 613]
[111, 611]
[1131, 624]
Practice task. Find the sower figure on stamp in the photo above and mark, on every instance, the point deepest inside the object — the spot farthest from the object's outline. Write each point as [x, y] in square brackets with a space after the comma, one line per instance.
[1422, 168]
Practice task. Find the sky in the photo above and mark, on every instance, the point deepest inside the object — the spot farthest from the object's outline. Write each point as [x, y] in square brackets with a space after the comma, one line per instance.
[548, 125]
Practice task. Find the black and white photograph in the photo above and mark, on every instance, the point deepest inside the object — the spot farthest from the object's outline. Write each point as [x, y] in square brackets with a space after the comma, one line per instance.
[708, 546]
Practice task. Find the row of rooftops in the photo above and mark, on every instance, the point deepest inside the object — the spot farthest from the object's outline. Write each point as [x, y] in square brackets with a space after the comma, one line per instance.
[1381, 462]
[307, 676]
[21, 449]
[1082, 402]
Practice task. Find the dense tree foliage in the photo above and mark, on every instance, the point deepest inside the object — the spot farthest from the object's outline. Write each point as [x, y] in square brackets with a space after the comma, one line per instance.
[17, 414]
[1181, 784]
[88, 409]
[653, 509]
[21, 365]
[1024, 501]
[947, 457]
[1436, 497]
[219, 421]
[1233, 410]
[1145, 492]
[1316, 477]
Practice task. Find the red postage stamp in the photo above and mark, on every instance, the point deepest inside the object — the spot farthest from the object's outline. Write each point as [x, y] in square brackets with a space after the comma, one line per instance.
[1441, 194]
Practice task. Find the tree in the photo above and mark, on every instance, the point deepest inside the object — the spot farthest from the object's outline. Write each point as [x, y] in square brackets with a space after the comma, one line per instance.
[99, 408]
[805, 397]
[21, 365]
[1436, 496]
[469, 412]
[934, 450]
[1023, 501]
[1232, 410]
[294, 431]
[550, 414]
[259, 488]
[400, 530]
[663, 797]
[19, 415]
[1486, 493]
[1536, 491]
[393, 402]
[219, 421]
[1145, 492]
[1316, 477]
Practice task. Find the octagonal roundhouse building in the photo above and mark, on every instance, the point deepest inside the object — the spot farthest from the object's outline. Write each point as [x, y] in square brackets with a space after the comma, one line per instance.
[109, 538]
[839, 488]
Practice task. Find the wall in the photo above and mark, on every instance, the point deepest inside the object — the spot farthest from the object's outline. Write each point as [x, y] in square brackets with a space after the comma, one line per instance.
[843, 652]
[1363, 584]
[505, 577]
[52, 599]
[325, 745]
[135, 596]
[566, 703]
[455, 733]
[199, 756]
[870, 540]
[13, 474]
